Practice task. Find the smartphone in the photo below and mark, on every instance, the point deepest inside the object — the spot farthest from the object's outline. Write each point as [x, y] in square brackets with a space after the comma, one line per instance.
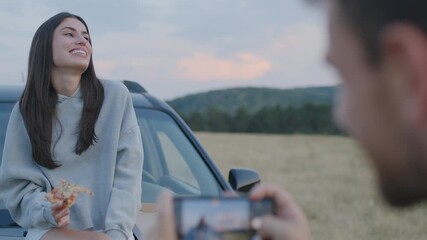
[218, 218]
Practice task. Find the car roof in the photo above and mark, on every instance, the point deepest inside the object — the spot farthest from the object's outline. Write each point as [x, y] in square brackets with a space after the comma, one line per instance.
[140, 97]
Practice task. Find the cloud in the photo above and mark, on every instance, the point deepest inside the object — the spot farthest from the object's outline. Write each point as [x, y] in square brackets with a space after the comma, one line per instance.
[235, 25]
[296, 54]
[305, 35]
[105, 66]
[206, 67]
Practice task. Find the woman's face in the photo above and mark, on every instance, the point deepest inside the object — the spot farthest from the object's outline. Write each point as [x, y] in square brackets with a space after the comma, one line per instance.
[71, 48]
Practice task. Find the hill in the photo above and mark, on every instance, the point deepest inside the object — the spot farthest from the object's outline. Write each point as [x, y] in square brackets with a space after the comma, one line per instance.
[253, 99]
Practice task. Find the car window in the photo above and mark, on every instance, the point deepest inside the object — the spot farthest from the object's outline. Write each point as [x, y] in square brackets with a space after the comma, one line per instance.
[176, 163]
[170, 159]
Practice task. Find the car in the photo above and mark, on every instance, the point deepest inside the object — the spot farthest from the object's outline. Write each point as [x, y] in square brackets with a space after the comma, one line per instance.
[174, 159]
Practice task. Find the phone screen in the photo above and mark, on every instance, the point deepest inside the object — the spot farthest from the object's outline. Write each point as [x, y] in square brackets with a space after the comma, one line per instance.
[226, 218]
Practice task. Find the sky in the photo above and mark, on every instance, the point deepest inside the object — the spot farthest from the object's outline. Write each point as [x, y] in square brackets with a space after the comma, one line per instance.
[180, 47]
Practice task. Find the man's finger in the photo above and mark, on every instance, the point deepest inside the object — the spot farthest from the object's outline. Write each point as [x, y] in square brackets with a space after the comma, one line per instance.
[285, 204]
[166, 218]
[271, 228]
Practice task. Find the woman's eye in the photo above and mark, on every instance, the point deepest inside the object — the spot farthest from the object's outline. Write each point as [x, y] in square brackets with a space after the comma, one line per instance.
[68, 34]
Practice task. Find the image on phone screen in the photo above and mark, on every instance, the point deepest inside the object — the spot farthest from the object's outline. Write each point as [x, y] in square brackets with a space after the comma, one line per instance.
[217, 218]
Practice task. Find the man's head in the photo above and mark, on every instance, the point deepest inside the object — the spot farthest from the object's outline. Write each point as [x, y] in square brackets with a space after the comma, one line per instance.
[379, 48]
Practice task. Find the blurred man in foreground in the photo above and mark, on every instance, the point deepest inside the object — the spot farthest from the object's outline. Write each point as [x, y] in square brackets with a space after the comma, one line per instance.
[379, 48]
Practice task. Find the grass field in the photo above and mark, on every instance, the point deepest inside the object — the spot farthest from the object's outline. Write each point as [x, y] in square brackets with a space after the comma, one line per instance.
[329, 177]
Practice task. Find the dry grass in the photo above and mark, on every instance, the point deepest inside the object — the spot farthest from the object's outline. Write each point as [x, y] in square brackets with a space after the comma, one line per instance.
[329, 177]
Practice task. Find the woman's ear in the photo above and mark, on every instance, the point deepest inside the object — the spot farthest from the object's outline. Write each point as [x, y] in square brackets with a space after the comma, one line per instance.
[404, 52]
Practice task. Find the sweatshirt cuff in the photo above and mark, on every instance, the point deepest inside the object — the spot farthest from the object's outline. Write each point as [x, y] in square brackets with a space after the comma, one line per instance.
[116, 235]
[47, 214]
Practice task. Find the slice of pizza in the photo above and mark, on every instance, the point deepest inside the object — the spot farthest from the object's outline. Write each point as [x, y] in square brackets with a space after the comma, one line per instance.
[66, 193]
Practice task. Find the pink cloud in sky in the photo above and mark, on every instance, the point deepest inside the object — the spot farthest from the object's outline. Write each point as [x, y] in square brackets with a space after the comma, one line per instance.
[203, 67]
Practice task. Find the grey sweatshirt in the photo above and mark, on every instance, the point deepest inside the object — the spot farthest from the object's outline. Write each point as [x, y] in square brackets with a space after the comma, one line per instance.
[111, 168]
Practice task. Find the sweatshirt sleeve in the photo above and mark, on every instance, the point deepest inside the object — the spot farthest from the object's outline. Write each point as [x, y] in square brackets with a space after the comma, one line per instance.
[125, 197]
[22, 184]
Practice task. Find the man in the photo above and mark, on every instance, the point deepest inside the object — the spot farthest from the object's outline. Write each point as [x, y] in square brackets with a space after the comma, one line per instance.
[379, 48]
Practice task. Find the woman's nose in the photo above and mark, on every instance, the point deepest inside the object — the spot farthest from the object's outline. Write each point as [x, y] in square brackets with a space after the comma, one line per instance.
[81, 40]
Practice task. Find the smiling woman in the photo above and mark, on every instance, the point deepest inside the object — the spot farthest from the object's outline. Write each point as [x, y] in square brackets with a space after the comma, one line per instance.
[69, 125]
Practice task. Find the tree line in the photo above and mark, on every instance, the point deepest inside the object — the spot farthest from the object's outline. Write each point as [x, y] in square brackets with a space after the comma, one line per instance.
[307, 119]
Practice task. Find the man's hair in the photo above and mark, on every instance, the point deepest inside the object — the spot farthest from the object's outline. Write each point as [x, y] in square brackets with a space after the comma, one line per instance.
[369, 18]
[39, 99]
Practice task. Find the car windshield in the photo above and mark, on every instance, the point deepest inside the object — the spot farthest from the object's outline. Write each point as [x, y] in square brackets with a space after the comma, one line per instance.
[170, 159]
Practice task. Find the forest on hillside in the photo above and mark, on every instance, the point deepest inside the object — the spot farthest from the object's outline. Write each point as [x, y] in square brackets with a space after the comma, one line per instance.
[307, 119]
[252, 99]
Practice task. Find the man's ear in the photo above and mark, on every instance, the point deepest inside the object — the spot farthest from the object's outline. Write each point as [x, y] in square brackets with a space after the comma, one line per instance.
[404, 50]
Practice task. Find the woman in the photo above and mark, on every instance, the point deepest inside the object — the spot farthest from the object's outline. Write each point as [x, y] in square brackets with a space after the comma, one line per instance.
[70, 125]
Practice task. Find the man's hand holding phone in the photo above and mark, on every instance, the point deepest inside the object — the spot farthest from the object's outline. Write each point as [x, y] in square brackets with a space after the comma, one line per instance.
[289, 224]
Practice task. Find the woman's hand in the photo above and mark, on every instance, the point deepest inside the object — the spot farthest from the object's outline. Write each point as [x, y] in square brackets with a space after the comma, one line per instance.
[61, 214]
[290, 222]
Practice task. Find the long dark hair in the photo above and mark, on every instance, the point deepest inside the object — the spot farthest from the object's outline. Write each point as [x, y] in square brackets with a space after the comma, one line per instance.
[39, 99]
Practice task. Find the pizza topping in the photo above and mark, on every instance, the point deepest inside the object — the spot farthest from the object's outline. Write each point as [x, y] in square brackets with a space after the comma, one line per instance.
[66, 193]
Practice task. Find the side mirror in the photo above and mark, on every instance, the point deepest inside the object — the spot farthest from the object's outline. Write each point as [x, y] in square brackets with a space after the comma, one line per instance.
[243, 179]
